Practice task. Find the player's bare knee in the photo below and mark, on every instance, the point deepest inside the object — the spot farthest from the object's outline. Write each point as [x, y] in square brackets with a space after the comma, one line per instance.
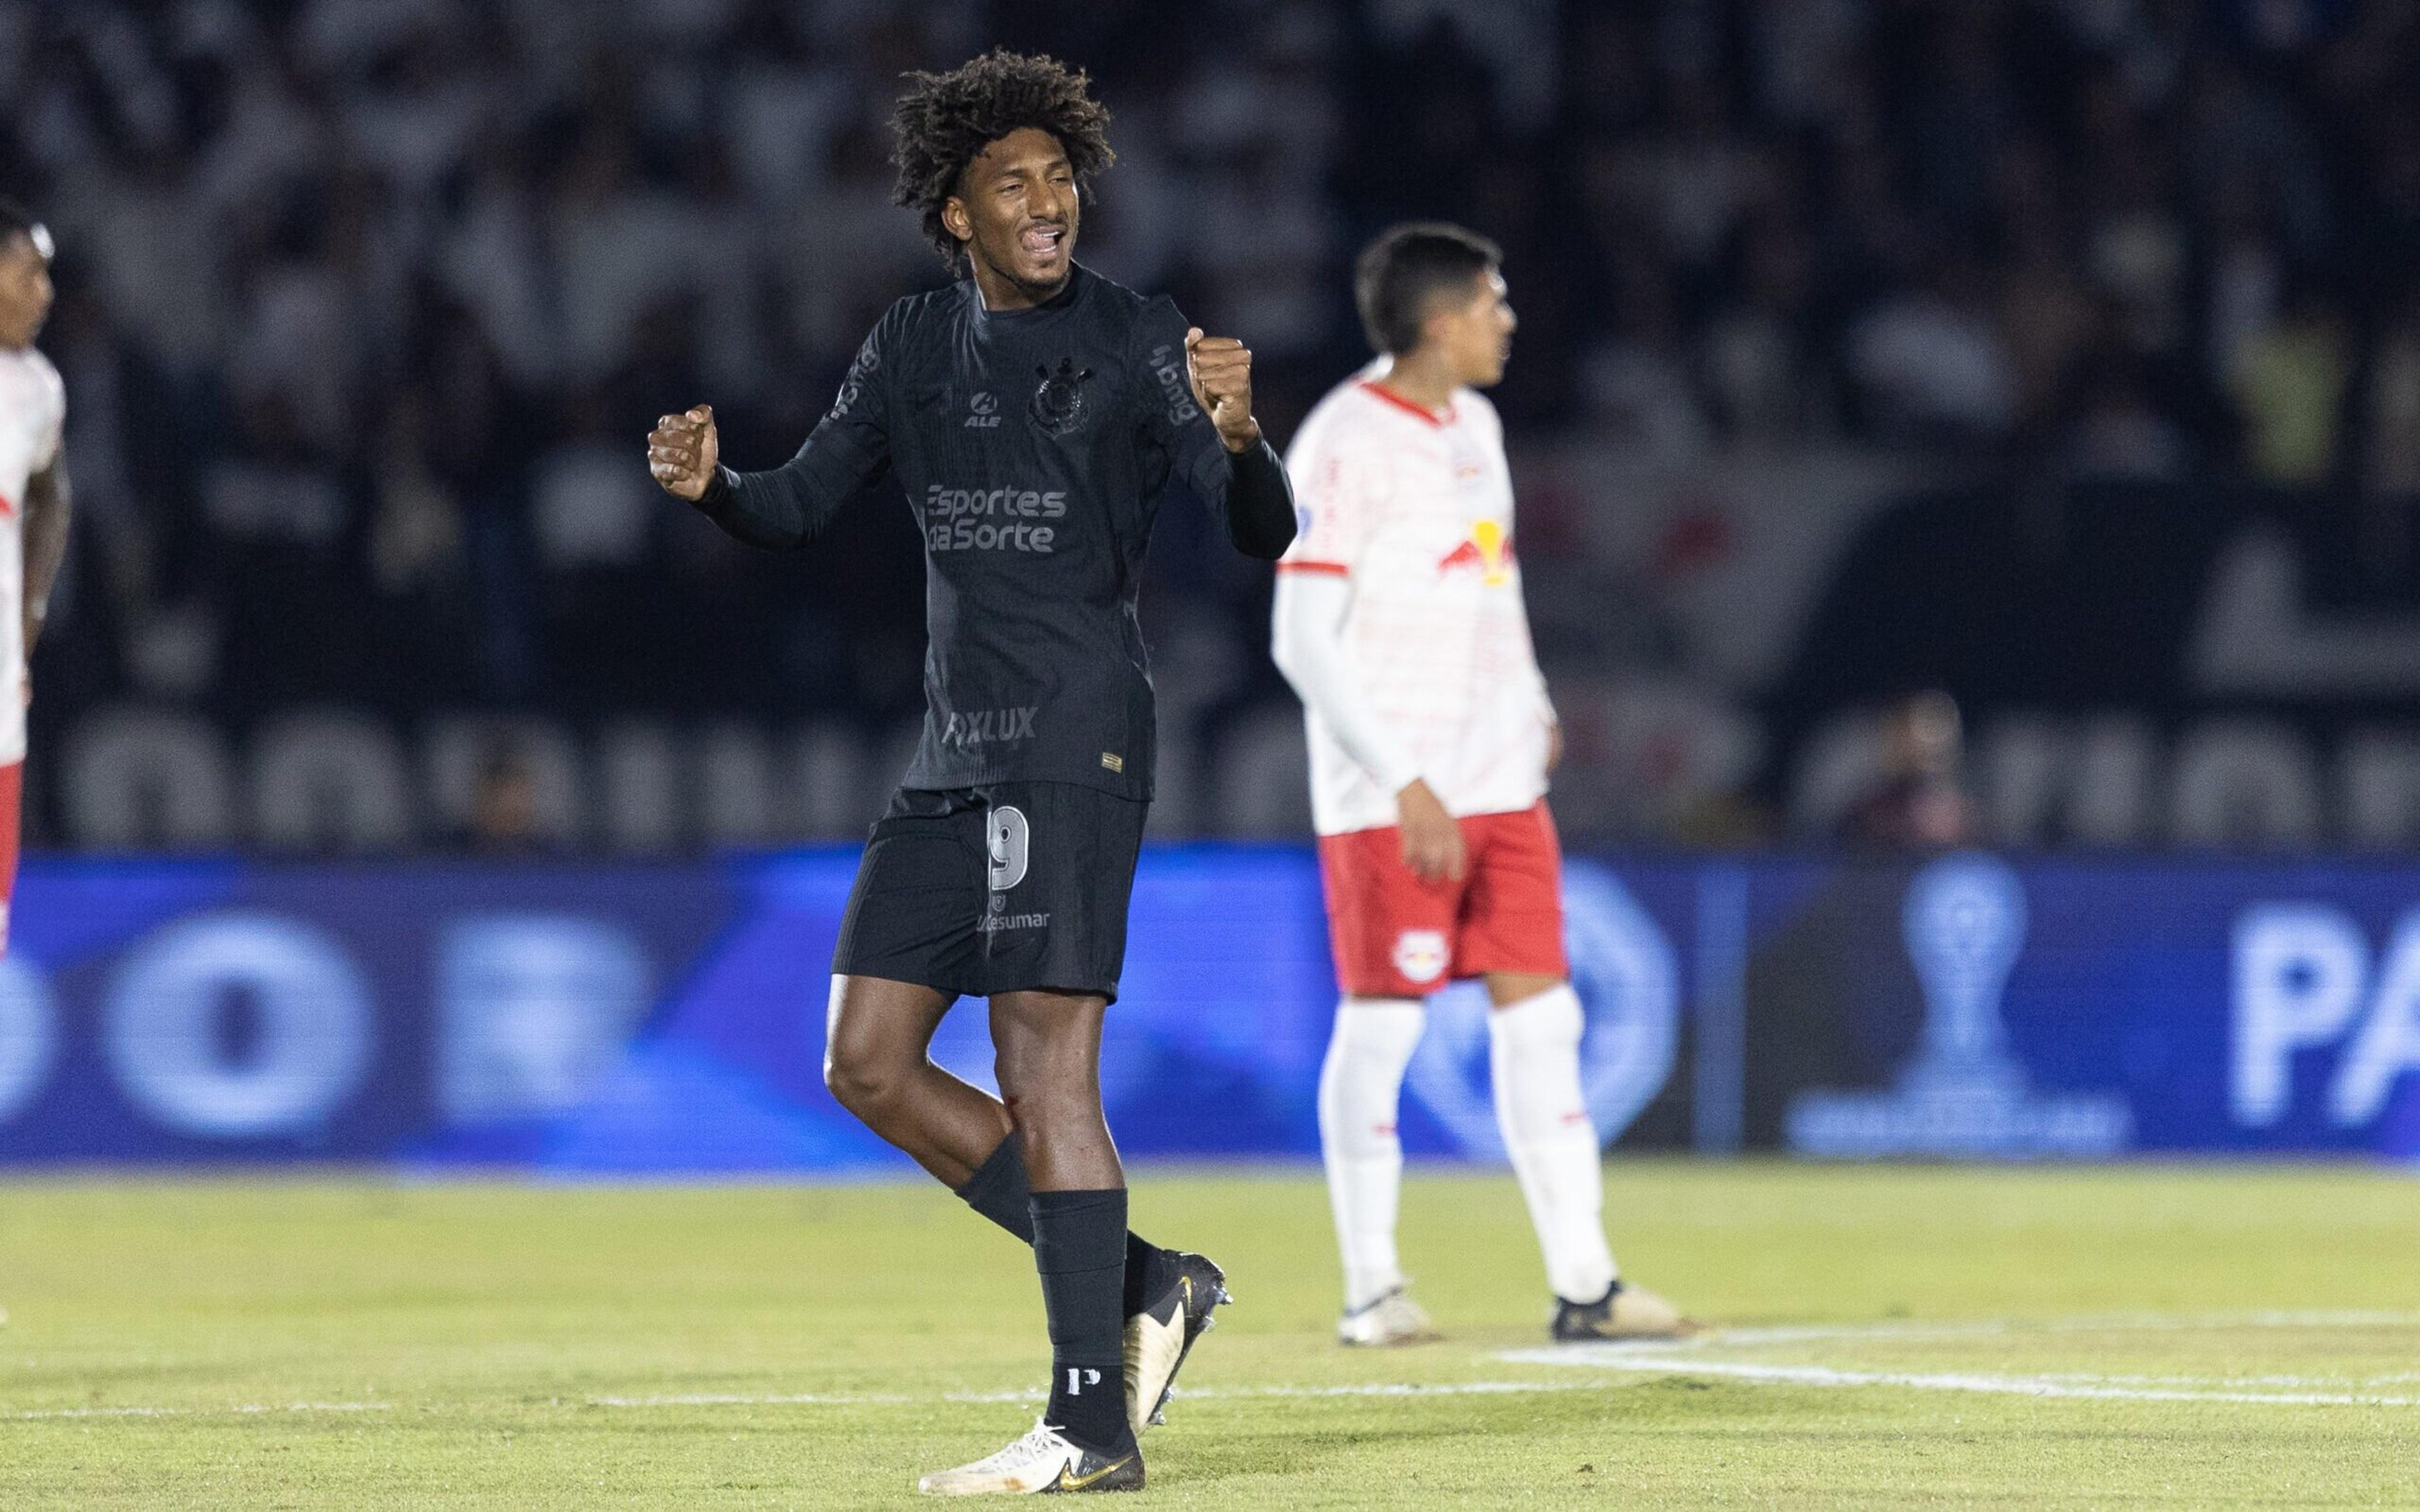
[876, 1035]
[862, 1077]
[1052, 1116]
[847, 1084]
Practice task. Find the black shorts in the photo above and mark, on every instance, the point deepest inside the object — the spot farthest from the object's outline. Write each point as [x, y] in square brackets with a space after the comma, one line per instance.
[996, 889]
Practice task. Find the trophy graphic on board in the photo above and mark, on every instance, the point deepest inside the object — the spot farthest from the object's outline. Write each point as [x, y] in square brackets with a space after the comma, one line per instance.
[1964, 1094]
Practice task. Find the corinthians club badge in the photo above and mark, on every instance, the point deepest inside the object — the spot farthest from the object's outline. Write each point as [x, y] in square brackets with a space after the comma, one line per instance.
[1059, 404]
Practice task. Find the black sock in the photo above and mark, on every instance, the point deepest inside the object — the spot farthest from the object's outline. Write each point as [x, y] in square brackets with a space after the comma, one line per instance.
[997, 1190]
[1079, 1249]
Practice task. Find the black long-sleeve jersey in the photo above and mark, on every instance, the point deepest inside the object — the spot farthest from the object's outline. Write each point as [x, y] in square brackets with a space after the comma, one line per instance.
[1035, 446]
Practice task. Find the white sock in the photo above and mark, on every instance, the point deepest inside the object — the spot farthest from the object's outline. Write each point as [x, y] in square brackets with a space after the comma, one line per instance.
[1535, 1047]
[1359, 1085]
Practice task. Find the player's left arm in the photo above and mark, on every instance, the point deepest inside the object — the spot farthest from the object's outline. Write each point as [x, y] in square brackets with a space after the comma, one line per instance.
[46, 544]
[1250, 489]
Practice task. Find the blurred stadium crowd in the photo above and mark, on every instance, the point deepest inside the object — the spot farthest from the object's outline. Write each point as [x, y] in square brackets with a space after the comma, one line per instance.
[1979, 345]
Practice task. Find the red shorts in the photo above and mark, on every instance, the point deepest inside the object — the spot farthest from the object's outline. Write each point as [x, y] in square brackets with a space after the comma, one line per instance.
[1397, 937]
[12, 787]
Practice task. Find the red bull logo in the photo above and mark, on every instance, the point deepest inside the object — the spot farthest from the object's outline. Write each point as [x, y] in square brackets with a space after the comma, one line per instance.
[1489, 550]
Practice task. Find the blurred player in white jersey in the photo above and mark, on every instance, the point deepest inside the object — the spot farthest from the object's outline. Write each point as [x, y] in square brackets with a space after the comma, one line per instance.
[33, 502]
[1399, 623]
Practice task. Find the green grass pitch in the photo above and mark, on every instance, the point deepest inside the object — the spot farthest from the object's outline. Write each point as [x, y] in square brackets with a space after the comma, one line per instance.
[2135, 1336]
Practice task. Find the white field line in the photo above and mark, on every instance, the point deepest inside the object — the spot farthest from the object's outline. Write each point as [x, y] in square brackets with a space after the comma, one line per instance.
[1676, 1364]
[1997, 1328]
[1679, 1358]
[1450, 1388]
[1689, 1357]
[2101, 1378]
[2115, 1389]
[38, 1415]
[1208, 1394]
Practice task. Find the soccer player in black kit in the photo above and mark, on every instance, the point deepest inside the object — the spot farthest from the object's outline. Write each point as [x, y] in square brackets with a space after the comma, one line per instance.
[1036, 414]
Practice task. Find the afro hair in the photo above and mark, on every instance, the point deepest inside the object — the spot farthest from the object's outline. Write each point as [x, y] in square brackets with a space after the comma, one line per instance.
[945, 120]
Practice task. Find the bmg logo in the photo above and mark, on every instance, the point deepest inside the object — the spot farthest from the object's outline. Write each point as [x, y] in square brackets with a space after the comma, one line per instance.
[1176, 385]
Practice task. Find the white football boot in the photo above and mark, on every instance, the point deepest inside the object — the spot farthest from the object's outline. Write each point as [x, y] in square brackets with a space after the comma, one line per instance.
[1043, 1460]
[1393, 1319]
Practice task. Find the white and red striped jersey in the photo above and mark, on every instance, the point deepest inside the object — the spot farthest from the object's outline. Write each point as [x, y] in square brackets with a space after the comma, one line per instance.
[1414, 512]
[33, 419]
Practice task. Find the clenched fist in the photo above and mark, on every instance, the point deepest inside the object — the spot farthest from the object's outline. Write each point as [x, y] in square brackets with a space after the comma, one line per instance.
[683, 453]
[1221, 368]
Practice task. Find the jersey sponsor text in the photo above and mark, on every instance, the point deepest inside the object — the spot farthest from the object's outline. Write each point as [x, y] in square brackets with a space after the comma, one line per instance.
[976, 727]
[992, 519]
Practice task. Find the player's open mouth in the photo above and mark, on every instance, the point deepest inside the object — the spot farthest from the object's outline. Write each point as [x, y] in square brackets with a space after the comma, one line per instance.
[1043, 243]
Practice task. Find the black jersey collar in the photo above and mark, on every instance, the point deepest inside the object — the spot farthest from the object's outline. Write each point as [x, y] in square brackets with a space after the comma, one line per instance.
[1077, 276]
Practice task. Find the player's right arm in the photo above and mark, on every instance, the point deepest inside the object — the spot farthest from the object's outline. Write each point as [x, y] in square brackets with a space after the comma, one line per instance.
[789, 506]
[1314, 599]
[1306, 642]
